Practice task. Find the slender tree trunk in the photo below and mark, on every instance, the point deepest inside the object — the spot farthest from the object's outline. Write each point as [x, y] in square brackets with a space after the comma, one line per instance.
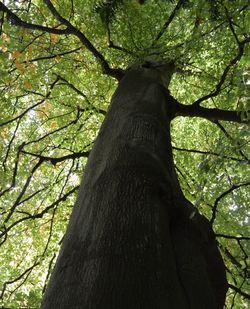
[134, 241]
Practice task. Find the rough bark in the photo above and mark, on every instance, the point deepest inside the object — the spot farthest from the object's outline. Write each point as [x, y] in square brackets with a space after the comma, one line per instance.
[133, 240]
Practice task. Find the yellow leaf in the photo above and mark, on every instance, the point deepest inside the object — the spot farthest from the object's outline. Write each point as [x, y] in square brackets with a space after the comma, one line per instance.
[16, 54]
[53, 125]
[19, 66]
[40, 114]
[27, 84]
[54, 38]
[46, 107]
[41, 41]
[4, 133]
[3, 48]
[5, 37]
[58, 58]
[32, 68]
[30, 52]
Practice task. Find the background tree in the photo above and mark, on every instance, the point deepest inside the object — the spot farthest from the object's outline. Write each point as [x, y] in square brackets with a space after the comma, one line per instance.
[58, 63]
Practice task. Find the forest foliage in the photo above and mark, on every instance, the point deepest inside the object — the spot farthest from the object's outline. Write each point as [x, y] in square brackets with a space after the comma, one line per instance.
[58, 60]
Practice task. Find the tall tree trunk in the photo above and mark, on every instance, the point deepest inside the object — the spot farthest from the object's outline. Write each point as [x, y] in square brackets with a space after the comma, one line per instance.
[133, 240]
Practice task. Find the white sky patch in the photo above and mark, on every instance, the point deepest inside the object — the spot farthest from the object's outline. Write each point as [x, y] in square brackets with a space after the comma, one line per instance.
[233, 207]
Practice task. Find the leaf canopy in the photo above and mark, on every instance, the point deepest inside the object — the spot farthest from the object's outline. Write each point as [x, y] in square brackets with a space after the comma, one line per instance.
[58, 61]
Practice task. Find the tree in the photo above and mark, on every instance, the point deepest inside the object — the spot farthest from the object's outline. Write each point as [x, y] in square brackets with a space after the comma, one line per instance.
[54, 99]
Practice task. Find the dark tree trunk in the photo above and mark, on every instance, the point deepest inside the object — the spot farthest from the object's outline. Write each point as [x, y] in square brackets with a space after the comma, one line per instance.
[134, 241]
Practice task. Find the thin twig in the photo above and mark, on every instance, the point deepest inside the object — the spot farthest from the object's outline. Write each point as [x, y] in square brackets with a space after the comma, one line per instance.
[168, 22]
[215, 206]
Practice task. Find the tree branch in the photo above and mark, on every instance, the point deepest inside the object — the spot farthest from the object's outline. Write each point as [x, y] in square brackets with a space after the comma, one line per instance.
[28, 180]
[168, 22]
[14, 175]
[211, 153]
[238, 149]
[233, 287]
[234, 187]
[16, 21]
[232, 237]
[72, 122]
[217, 89]
[33, 106]
[70, 29]
[28, 270]
[52, 56]
[40, 214]
[212, 114]
[99, 110]
[48, 272]
[117, 73]
[54, 161]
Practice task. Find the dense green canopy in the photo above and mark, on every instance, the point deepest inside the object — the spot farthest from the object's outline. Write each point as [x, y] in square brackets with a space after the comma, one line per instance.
[59, 61]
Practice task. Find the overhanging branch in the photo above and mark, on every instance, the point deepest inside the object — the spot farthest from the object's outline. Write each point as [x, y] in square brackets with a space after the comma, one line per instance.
[242, 293]
[232, 237]
[208, 153]
[212, 114]
[16, 21]
[218, 87]
[38, 215]
[55, 160]
[231, 189]
[117, 73]
[70, 29]
[168, 22]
